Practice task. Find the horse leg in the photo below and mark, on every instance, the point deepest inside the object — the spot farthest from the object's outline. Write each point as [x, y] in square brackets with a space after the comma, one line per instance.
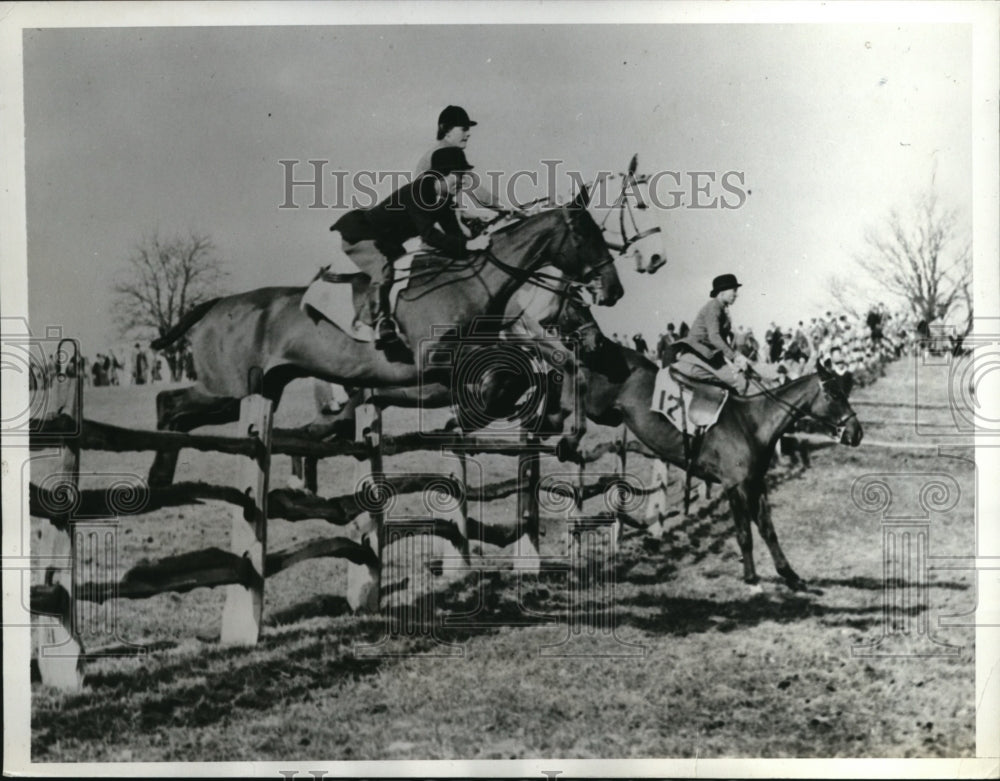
[338, 426]
[184, 409]
[760, 510]
[738, 502]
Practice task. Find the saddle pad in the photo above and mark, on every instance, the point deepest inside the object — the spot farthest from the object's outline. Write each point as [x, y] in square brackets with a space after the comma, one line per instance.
[335, 300]
[701, 404]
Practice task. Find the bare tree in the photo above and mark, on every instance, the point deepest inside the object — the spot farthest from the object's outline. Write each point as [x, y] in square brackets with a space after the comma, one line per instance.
[164, 280]
[924, 257]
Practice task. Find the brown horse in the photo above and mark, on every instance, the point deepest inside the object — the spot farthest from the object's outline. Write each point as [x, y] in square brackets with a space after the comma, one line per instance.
[533, 362]
[738, 449]
[267, 328]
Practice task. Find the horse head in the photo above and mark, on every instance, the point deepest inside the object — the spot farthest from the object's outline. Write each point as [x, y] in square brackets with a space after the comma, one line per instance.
[591, 261]
[833, 408]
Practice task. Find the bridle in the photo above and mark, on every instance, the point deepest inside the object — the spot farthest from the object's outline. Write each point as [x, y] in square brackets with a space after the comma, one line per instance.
[557, 285]
[837, 428]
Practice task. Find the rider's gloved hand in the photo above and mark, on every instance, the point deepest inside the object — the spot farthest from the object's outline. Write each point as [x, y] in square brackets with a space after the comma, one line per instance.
[740, 362]
[478, 243]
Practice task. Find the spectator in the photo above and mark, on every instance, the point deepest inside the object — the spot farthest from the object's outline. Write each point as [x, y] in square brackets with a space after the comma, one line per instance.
[751, 347]
[664, 347]
[100, 370]
[189, 370]
[140, 365]
[640, 344]
[776, 343]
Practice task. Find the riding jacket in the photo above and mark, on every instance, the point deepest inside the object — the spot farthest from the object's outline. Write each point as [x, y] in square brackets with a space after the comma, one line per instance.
[416, 209]
[711, 333]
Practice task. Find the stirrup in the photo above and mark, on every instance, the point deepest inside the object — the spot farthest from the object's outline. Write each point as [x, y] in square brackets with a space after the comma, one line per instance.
[386, 333]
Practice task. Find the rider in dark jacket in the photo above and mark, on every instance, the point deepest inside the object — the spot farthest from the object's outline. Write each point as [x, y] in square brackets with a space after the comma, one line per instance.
[373, 238]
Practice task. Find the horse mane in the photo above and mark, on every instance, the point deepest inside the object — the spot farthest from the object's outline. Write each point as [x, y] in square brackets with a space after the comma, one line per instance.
[791, 383]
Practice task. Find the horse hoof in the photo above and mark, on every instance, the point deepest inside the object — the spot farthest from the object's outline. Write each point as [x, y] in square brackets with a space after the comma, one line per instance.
[751, 580]
[796, 584]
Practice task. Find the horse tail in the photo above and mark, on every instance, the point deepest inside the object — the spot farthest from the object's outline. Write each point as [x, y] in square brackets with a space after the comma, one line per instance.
[184, 325]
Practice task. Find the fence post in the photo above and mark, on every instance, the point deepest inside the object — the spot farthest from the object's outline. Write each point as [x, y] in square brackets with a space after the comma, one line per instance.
[619, 499]
[364, 583]
[528, 469]
[461, 514]
[304, 468]
[60, 649]
[241, 617]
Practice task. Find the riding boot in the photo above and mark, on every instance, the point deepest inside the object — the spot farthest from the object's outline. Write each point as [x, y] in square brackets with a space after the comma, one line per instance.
[386, 333]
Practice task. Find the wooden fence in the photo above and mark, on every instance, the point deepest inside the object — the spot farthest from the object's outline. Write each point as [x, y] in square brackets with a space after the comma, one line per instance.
[244, 568]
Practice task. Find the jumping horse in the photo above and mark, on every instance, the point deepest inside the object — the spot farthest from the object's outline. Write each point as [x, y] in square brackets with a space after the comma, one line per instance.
[438, 309]
[530, 375]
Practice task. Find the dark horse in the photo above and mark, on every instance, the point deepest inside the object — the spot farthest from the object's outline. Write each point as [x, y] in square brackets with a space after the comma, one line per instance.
[266, 328]
[738, 449]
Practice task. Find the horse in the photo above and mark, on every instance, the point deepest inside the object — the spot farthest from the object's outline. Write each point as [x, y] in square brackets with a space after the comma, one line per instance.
[441, 303]
[534, 341]
[738, 449]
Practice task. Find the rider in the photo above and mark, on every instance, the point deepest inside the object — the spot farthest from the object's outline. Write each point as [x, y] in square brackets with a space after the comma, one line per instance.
[373, 238]
[453, 130]
[710, 354]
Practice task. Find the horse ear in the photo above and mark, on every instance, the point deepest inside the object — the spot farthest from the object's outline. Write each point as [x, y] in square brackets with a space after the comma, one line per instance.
[582, 199]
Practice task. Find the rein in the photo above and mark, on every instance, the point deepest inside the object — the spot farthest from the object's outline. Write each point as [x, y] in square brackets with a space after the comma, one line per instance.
[551, 283]
[797, 412]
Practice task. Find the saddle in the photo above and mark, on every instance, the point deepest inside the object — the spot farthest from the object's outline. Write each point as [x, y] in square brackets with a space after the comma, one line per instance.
[690, 405]
[343, 297]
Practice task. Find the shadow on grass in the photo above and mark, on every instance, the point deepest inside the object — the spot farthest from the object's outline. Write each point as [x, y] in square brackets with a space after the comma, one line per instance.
[292, 663]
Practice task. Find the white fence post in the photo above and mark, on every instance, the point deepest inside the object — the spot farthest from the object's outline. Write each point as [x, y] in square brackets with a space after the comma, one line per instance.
[241, 617]
[528, 471]
[60, 649]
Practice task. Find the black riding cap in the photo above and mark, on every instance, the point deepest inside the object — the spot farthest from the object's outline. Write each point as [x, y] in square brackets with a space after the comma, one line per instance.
[724, 282]
[448, 159]
[455, 116]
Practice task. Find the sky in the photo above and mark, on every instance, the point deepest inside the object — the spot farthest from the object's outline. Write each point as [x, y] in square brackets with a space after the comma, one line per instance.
[173, 130]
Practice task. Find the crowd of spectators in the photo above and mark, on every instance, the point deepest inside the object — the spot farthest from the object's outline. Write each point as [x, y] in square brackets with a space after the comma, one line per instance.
[138, 366]
[860, 344]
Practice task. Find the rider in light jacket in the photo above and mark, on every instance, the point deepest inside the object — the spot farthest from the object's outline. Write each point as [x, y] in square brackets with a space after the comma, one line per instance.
[710, 355]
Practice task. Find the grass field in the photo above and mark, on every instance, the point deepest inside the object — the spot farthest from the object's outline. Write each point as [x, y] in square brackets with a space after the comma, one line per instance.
[655, 650]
